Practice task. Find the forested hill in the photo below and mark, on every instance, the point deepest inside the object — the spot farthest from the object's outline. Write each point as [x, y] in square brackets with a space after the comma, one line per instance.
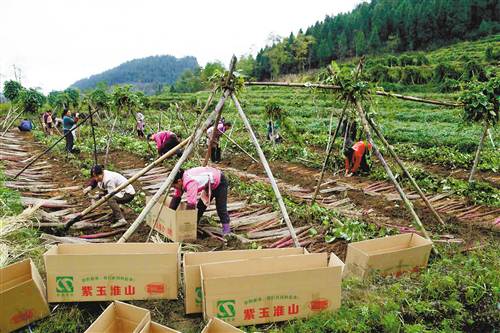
[147, 74]
[380, 26]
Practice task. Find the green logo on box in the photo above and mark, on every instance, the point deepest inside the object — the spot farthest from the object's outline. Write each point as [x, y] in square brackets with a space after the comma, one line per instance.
[227, 309]
[199, 295]
[64, 284]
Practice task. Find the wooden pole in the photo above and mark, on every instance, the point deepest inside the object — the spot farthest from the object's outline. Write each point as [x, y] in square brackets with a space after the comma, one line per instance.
[170, 179]
[232, 66]
[331, 141]
[240, 147]
[333, 87]
[110, 137]
[377, 153]
[491, 138]
[478, 153]
[6, 120]
[93, 137]
[269, 173]
[12, 122]
[70, 132]
[405, 170]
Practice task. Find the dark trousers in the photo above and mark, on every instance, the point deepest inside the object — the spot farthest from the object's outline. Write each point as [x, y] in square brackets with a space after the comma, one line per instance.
[215, 154]
[69, 141]
[140, 133]
[220, 195]
[168, 145]
[363, 166]
[115, 202]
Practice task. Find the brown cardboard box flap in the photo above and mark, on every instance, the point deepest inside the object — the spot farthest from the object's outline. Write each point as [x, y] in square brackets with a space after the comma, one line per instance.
[22, 296]
[120, 318]
[216, 325]
[153, 327]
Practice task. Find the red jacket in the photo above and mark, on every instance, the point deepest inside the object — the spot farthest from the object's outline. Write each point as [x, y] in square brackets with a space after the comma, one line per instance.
[359, 150]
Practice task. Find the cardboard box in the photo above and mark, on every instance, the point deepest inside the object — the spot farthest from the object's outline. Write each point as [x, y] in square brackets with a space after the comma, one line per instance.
[264, 290]
[177, 225]
[216, 325]
[388, 255]
[101, 272]
[120, 318]
[153, 327]
[192, 262]
[22, 296]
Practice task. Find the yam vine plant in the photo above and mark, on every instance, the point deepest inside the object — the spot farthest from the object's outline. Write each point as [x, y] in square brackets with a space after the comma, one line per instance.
[482, 101]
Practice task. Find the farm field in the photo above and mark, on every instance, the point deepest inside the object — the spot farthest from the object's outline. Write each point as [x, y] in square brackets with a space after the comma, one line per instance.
[459, 290]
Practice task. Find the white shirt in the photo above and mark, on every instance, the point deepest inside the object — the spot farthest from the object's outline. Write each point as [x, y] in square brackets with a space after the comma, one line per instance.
[112, 180]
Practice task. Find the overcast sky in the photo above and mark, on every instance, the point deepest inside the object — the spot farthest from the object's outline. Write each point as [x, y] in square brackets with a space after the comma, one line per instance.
[57, 42]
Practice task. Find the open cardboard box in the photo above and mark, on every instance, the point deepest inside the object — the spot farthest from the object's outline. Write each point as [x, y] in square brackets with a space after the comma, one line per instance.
[177, 225]
[100, 272]
[120, 318]
[264, 290]
[191, 269]
[22, 296]
[388, 255]
[216, 325]
[153, 327]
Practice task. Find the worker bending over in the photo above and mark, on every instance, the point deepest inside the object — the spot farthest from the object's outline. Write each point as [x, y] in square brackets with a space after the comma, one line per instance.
[165, 141]
[107, 181]
[355, 158]
[210, 183]
[215, 152]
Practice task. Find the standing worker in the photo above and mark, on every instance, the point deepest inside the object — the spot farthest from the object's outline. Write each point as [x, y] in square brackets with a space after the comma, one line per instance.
[210, 182]
[68, 123]
[140, 125]
[215, 152]
[107, 181]
[355, 157]
[165, 141]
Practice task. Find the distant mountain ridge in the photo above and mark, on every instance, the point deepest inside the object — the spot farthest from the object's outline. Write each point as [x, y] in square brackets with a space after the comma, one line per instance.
[147, 74]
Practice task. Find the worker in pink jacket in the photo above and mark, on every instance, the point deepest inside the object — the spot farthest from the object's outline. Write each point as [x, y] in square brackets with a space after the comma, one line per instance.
[215, 152]
[165, 141]
[210, 183]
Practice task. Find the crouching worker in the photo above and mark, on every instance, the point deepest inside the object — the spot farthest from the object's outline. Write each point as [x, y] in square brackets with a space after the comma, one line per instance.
[165, 141]
[356, 158]
[25, 126]
[210, 182]
[107, 181]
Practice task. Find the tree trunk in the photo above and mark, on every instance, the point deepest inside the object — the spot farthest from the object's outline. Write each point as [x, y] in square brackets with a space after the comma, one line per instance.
[478, 154]
[269, 173]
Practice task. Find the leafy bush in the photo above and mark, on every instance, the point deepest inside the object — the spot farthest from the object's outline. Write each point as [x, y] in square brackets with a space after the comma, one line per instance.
[12, 90]
[445, 71]
[449, 85]
[414, 75]
[481, 101]
[474, 70]
[380, 73]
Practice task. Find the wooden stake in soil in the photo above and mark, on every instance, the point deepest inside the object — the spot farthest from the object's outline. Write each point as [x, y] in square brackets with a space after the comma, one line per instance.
[400, 190]
[170, 179]
[268, 171]
[232, 66]
[405, 170]
[93, 137]
[331, 141]
[240, 147]
[110, 137]
[478, 153]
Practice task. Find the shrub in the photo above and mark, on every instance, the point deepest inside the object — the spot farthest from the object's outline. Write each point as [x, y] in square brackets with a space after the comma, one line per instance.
[474, 70]
[445, 71]
[413, 75]
[406, 60]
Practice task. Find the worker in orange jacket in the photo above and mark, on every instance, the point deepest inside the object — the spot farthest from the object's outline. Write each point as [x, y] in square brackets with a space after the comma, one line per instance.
[355, 158]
